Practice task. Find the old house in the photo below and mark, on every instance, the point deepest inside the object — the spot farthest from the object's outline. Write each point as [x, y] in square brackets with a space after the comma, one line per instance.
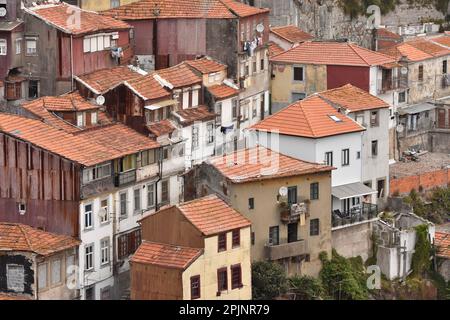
[204, 256]
[288, 36]
[442, 243]
[287, 200]
[63, 41]
[385, 38]
[36, 264]
[315, 66]
[92, 183]
[373, 114]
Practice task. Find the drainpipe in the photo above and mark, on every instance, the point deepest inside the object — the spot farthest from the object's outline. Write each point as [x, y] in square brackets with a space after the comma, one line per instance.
[114, 231]
[160, 173]
[71, 62]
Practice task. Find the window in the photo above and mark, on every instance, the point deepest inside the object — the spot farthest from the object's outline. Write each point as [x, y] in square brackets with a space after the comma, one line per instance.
[88, 216]
[93, 44]
[262, 65]
[358, 154]
[345, 157]
[86, 45]
[314, 191]
[128, 163]
[123, 204]
[420, 73]
[104, 251]
[165, 191]
[298, 73]
[297, 96]
[195, 137]
[104, 212]
[89, 293]
[222, 242]
[222, 279]
[374, 148]
[402, 97]
[444, 67]
[292, 195]
[128, 243]
[100, 43]
[18, 46]
[218, 112]
[274, 236]
[31, 46]
[105, 293]
[96, 173]
[374, 119]
[236, 276]
[150, 196]
[89, 257]
[137, 200]
[335, 118]
[42, 276]
[33, 89]
[94, 117]
[380, 188]
[15, 277]
[252, 236]
[329, 158]
[234, 109]
[210, 132]
[314, 227]
[254, 109]
[107, 41]
[56, 271]
[3, 47]
[195, 287]
[251, 203]
[236, 238]
[254, 66]
[80, 119]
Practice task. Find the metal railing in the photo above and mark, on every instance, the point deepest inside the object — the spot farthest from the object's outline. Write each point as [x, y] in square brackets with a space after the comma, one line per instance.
[364, 212]
[388, 84]
[124, 178]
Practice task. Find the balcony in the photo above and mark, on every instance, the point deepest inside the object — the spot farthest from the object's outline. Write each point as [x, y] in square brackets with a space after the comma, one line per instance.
[445, 81]
[286, 250]
[388, 84]
[125, 178]
[361, 213]
[293, 214]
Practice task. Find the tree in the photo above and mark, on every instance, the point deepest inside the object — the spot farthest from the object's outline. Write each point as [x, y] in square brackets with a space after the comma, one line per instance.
[306, 288]
[421, 263]
[268, 280]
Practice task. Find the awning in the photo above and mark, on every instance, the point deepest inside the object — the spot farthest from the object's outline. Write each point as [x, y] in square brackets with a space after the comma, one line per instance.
[161, 104]
[352, 190]
[416, 108]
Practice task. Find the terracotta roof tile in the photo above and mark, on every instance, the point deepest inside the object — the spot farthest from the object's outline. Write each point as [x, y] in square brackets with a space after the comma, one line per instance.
[242, 10]
[206, 65]
[442, 241]
[442, 40]
[332, 53]
[416, 50]
[88, 147]
[260, 164]
[68, 102]
[148, 88]
[20, 237]
[222, 91]
[291, 33]
[5, 297]
[180, 75]
[146, 9]
[58, 15]
[102, 81]
[212, 215]
[274, 49]
[161, 128]
[386, 34]
[310, 118]
[188, 116]
[353, 98]
[165, 255]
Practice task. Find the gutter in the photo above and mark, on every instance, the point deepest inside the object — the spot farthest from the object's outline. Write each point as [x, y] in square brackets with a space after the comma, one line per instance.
[71, 62]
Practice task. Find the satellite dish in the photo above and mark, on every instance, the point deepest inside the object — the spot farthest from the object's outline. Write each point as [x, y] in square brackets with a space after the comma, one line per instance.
[102, 213]
[400, 128]
[283, 191]
[404, 70]
[100, 100]
[260, 28]
[2, 12]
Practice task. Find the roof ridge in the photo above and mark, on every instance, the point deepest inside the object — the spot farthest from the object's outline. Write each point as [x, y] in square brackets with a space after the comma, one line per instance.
[351, 45]
[305, 114]
[25, 235]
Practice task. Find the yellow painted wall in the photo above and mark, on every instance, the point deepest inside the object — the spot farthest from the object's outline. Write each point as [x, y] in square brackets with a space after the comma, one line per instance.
[267, 214]
[283, 85]
[100, 5]
[207, 265]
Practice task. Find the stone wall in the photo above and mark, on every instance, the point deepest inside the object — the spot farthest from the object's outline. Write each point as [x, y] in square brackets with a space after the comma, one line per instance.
[354, 240]
[325, 18]
[425, 181]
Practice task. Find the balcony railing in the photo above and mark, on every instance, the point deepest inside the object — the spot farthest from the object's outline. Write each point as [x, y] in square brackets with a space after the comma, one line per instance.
[445, 81]
[286, 250]
[124, 178]
[292, 214]
[364, 212]
[388, 84]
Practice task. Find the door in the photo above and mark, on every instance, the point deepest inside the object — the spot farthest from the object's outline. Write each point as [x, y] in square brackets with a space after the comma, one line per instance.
[292, 195]
[441, 118]
[292, 232]
[32, 89]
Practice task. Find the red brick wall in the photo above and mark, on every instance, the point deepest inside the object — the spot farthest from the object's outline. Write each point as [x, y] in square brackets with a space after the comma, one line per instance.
[426, 180]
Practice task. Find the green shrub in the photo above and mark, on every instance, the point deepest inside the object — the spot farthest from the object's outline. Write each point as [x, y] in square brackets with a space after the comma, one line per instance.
[268, 280]
[306, 288]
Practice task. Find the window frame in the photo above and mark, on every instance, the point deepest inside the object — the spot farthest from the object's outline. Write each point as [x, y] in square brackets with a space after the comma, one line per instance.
[222, 242]
[314, 229]
[251, 203]
[236, 268]
[91, 254]
[105, 251]
[345, 157]
[236, 238]
[197, 281]
[137, 201]
[293, 73]
[314, 192]
[374, 143]
[222, 279]
[27, 51]
[3, 45]
[88, 214]
[329, 156]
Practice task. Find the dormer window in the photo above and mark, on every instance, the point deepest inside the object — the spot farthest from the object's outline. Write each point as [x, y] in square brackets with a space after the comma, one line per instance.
[94, 117]
[80, 119]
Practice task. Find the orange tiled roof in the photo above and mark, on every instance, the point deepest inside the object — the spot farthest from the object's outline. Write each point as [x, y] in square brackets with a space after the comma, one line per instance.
[260, 163]
[166, 9]
[102, 81]
[442, 241]
[148, 88]
[88, 147]
[5, 297]
[385, 33]
[274, 49]
[165, 255]
[180, 75]
[161, 128]
[58, 15]
[242, 10]
[206, 65]
[68, 102]
[353, 98]
[222, 91]
[20, 237]
[291, 33]
[211, 215]
[190, 115]
[310, 118]
[442, 40]
[417, 50]
[332, 53]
